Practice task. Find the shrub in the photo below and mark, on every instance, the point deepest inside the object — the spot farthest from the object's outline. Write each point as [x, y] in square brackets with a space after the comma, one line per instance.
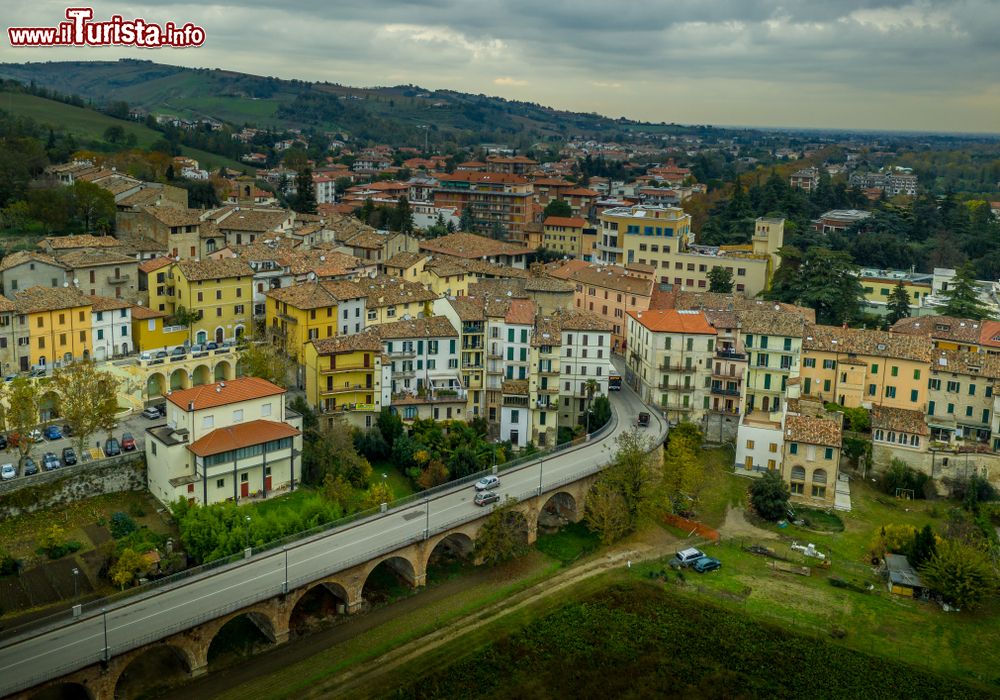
[962, 574]
[8, 564]
[136, 510]
[769, 496]
[902, 476]
[122, 525]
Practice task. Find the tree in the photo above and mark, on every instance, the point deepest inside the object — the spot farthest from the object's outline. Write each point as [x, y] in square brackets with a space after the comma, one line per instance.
[93, 206]
[720, 280]
[123, 572]
[557, 207]
[337, 490]
[828, 282]
[503, 536]
[769, 496]
[465, 221]
[333, 452]
[682, 471]
[305, 192]
[606, 513]
[591, 387]
[380, 492]
[390, 425]
[403, 216]
[22, 415]
[633, 474]
[83, 392]
[600, 413]
[341, 184]
[114, 134]
[924, 547]
[962, 296]
[266, 361]
[434, 474]
[959, 572]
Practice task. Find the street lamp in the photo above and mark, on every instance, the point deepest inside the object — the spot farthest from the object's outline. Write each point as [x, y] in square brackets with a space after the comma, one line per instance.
[107, 649]
[284, 585]
[541, 470]
[248, 532]
[76, 576]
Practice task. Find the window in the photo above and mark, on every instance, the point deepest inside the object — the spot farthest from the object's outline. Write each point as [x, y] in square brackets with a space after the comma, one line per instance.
[238, 415]
[220, 483]
[771, 464]
[218, 295]
[749, 444]
[930, 408]
[934, 384]
[953, 387]
[809, 362]
[828, 453]
[914, 394]
[826, 385]
[819, 475]
[829, 364]
[890, 392]
[916, 374]
[874, 369]
[265, 410]
[793, 448]
[894, 371]
[972, 390]
[773, 447]
[818, 491]
[208, 421]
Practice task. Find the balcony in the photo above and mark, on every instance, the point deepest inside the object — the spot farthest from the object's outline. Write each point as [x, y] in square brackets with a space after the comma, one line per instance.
[119, 279]
[472, 344]
[472, 365]
[494, 354]
[472, 327]
[402, 354]
[549, 371]
[727, 354]
[676, 368]
[352, 367]
[519, 401]
[725, 392]
[404, 372]
[548, 390]
[675, 387]
[547, 404]
[346, 386]
[672, 406]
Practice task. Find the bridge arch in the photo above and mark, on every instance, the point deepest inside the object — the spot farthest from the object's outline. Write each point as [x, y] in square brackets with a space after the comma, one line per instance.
[381, 576]
[179, 379]
[156, 385]
[63, 691]
[201, 375]
[223, 370]
[316, 603]
[241, 626]
[241, 368]
[558, 509]
[146, 669]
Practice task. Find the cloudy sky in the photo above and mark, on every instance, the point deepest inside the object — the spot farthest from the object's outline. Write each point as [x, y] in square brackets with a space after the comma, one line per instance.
[821, 63]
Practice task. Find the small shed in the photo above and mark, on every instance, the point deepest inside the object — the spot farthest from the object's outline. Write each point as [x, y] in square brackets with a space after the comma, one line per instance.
[903, 578]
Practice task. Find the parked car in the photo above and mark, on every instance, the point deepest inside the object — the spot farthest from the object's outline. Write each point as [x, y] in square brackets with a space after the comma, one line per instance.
[53, 432]
[686, 557]
[198, 347]
[30, 467]
[642, 420]
[162, 408]
[3, 442]
[112, 448]
[160, 355]
[484, 498]
[128, 442]
[179, 351]
[151, 412]
[50, 461]
[69, 456]
[37, 372]
[36, 435]
[487, 483]
[705, 564]
[212, 346]
[7, 472]
[10, 377]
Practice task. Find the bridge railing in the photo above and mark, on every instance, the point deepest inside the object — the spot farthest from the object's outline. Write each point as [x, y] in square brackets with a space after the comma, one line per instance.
[95, 607]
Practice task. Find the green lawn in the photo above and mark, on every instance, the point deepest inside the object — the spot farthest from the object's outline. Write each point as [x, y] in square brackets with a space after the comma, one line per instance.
[291, 501]
[721, 487]
[569, 544]
[398, 481]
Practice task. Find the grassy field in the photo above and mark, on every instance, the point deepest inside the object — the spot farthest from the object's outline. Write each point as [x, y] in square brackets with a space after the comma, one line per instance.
[89, 125]
[569, 544]
[721, 488]
[398, 481]
[636, 639]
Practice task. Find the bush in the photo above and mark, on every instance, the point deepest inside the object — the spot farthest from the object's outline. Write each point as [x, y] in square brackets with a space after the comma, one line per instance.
[962, 574]
[769, 496]
[902, 476]
[8, 564]
[122, 525]
[136, 510]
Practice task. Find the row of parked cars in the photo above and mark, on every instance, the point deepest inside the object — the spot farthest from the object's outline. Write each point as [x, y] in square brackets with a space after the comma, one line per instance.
[695, 559]
[181, 350]
[50, 460]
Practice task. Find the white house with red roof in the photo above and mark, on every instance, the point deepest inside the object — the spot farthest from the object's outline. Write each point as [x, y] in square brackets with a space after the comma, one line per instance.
[227, 441]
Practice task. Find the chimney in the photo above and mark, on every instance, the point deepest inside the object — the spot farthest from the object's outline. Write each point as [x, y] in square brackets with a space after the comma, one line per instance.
[191, 405]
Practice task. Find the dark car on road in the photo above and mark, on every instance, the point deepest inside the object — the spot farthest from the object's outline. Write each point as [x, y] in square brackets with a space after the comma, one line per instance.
[50, 461]
[128, 442]
[151, 413]
[484, 498]
[642, 420]
[69, 456]
[30, 467]
[112, 448]
[53, 432]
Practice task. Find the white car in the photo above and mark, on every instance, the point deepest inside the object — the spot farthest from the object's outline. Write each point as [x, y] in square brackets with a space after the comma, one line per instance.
[36, 436]
[7, 472]
[487, 483]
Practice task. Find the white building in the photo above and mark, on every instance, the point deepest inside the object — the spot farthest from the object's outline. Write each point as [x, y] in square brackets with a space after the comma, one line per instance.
[326, 189]
[230, 440]
[423, 356]
[508, 357]
[111, 323]
[760, 443]
[585, 354]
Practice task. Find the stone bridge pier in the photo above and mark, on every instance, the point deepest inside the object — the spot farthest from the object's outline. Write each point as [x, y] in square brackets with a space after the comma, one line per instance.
[275, 616]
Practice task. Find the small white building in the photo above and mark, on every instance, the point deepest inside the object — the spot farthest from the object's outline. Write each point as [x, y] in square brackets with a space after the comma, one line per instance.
[111, 324]
[226, 441]
[585, 353]
[423, 356]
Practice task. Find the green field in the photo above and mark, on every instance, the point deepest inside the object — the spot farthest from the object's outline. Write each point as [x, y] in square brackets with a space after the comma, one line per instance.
[88, 125]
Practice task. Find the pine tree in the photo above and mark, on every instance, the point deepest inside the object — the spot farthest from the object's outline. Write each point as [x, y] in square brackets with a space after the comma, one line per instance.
[404, 216]
[899, 303]
[720, 280]
[962, 298]
[465, 221]
[305, 194]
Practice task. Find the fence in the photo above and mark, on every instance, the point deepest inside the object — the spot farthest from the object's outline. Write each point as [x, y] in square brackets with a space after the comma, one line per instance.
[692, 526]
[46, 477]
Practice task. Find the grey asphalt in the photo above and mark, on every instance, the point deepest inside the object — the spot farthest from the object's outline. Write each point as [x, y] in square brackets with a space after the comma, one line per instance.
[33, 658]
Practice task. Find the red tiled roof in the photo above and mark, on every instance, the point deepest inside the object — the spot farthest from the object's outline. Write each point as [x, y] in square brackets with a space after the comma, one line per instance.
[154, 264]
[231, 391]
[521, 312]
[570, 221]
[255, 432]
[672, 321]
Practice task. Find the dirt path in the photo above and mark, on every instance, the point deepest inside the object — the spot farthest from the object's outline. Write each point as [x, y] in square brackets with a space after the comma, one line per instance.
[736, 525]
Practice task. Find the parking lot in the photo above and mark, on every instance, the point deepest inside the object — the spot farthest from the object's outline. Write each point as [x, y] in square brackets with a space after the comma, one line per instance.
[132, 423]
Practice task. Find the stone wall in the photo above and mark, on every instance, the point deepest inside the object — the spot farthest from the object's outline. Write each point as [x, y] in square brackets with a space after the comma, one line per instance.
[126, 473]
[941, 465]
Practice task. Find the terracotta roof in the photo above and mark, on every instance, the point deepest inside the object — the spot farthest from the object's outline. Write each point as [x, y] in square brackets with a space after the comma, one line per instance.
[256, 220]
[140, 244]
[859, 341]
[21, 257]
[317, 295]
[430, 327]
[7, 305]
[175, 216]
[153, 265]
[547, 332]
[468, 308]
[255, 432]
[364, 341]
[671, 321]
[94, 258]
[194, 270]
[144, 313]
[473, 176]
[520, 312]
[962, 330]
[568, 221]
[975, 363]
[99, 303]
[609, 276]
[548, 284]
[770, 322]
[84, 240]
[813, 430]
[582, 320]
[36, 299]
[145, 196]
[899, 419]
[470, 245]
[230, 391]
[580, 192]
[389, 291]
[405, 260]
[990, 334]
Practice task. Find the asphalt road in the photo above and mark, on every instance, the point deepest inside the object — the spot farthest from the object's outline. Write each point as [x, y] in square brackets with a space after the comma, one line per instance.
[29, 660]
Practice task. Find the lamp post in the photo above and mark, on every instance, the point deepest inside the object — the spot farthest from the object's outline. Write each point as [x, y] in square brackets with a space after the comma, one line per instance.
[248, 532]
[541, 470]
[107, 649]
[76, 576]
[427, 518]
[284, 585]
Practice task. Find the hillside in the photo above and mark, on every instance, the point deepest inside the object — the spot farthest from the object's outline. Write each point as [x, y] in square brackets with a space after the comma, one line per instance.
[88, 125]
[382, 113]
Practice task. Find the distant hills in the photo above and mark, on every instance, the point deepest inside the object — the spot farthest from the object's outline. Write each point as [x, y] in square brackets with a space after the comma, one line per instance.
[390, 114]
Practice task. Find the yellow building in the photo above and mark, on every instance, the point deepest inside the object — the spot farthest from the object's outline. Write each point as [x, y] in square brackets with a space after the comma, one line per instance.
[59, 324]
[219, 292]
[392, 299]
[878, 285]
[314, 310]
[811, 459]
[564, 235]
[773, 342]
[155, 284]
[345, 378]
[857, 367]
[149, 332]
[406, 265]
[947, 332]
[543, 383]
